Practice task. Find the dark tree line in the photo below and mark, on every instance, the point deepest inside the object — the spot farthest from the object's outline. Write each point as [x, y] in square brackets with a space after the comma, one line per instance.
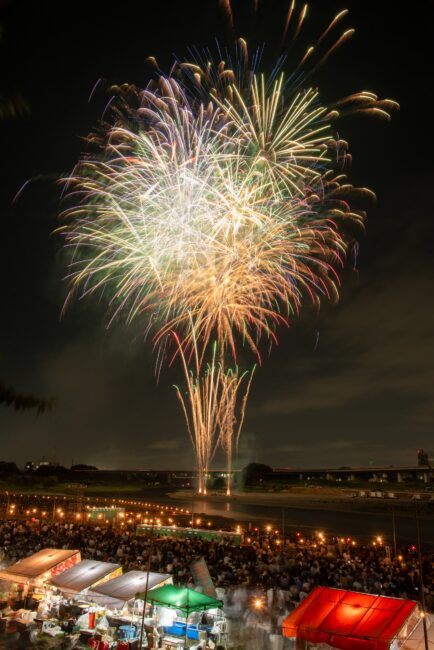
[10, 397]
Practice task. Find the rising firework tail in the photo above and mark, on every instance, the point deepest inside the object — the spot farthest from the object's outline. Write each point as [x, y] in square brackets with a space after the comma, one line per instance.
[232, 409]
[213, 402]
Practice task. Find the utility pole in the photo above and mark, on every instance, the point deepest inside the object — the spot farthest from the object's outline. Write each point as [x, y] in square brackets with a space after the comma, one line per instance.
[422, 593]
[394, 531]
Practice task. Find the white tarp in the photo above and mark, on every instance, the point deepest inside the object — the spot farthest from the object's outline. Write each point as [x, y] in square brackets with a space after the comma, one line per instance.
[416, 639]
[115, 593]
[83, 575]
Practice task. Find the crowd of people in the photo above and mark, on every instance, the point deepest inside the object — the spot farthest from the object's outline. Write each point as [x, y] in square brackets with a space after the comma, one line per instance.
[276, 574]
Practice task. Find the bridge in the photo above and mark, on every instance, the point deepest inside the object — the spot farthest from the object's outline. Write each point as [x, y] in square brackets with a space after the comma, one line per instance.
[389, 473]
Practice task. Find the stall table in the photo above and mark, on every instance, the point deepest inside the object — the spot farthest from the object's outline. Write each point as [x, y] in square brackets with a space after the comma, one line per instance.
[172, 642]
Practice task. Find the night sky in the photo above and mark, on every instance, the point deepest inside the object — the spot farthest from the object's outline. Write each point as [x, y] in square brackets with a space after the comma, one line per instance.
[347, 386]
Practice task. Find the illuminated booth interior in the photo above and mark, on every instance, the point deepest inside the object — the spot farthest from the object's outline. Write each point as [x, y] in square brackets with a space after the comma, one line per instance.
[35, 570]
[351, 621]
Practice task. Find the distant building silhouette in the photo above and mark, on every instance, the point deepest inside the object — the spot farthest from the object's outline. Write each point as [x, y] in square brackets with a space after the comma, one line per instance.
[422, 458]
[32, 466]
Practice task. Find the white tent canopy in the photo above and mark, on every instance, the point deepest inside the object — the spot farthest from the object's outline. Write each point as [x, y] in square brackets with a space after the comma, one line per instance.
[83, 575]
[115, 593]
[416, 639]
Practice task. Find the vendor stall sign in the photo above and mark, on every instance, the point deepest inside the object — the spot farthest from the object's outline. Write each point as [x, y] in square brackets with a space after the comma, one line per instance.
[66, 564]
[114, 574]
[202, 578]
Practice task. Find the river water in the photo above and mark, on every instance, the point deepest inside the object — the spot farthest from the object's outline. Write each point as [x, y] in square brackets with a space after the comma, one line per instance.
[364, 526]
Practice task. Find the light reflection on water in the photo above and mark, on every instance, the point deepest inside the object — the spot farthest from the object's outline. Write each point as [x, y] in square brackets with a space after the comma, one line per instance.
[358, 524]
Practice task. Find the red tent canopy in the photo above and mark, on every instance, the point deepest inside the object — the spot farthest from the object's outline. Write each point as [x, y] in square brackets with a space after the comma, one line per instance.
[348, 620]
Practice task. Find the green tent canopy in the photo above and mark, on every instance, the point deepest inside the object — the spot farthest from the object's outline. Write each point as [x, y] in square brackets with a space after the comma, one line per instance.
[182, 598]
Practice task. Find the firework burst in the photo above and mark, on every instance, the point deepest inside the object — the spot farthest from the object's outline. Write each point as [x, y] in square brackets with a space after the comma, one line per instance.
[224, 215]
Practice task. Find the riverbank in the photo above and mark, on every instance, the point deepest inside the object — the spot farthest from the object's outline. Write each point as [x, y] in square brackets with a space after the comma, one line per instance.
[329, 509]
[333, 499]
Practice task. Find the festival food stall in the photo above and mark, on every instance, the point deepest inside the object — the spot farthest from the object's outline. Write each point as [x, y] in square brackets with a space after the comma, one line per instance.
[351, 621]
[176, 605]
[118, 593]
[114, 602]
[34, 571]
[87, 574]
[106, 515]
[189, 532]
[94, 601]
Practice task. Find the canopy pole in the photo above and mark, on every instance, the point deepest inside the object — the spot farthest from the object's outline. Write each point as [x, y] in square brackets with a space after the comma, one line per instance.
[186, 621]
[151, 548]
